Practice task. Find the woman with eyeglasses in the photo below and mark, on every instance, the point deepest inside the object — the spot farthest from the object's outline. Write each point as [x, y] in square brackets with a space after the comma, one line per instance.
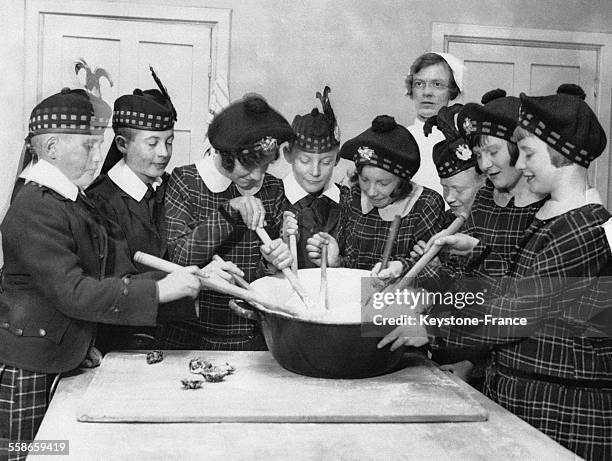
[435, 79]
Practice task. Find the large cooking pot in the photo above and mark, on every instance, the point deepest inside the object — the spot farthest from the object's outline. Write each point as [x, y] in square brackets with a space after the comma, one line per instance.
[315, 347]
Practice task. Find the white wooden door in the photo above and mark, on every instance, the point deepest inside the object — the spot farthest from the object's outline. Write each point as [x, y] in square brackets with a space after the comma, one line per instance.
[179, 53]
[516, 69]
[535, 62]
[181, 46]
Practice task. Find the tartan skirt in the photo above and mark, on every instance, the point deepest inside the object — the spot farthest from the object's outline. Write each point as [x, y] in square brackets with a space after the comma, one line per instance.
[579, 418]
[186, 336]
[23, 403]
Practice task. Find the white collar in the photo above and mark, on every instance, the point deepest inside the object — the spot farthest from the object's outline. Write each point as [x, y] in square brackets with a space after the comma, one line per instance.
[401, 207]
[214, 180]
[26, 171]
[48, 175]
[551, 210]
[129, 182]
[212, 177]
[419, 123]
[294, 192]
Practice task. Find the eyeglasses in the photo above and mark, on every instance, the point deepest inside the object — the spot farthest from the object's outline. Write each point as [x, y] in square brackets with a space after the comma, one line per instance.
[437, 85]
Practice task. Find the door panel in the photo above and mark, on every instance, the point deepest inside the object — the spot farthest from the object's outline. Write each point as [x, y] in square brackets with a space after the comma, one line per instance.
[487, 74]
[545, 79]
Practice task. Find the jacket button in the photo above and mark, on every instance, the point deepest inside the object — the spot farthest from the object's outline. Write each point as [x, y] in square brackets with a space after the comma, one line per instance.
[18, 331]
[126, 280]
[125, 292]
[42, 332]
[115, 310]
[101, 256]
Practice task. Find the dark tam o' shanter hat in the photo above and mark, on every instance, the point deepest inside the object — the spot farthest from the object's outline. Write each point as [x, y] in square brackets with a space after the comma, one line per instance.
[452, 155]
[566, 123]
[70, 111]
[317, 132]
[497, 116]
[385, 145]
[149, 110]
[249, 125]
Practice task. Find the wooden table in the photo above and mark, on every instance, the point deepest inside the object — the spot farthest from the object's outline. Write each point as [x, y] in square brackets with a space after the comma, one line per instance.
[503, 436]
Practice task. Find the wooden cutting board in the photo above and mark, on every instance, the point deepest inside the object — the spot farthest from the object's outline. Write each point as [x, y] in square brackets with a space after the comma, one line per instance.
[127, 389]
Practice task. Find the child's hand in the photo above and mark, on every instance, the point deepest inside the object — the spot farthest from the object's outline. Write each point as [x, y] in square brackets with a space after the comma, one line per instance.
[277, 253]
[92, 359]
[419, 249]
[459, 244]
[223, 270]
[314, 245]
[290, 225]
[405, 335]
[251, 210]
[178, 284]
[394, 270]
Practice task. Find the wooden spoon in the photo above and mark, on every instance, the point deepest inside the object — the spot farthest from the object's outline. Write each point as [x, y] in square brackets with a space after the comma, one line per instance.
[291, 277]
[384, 262]
[429, 254]
[391, 236]
[294, 255]
[213, 283]
[323, 290]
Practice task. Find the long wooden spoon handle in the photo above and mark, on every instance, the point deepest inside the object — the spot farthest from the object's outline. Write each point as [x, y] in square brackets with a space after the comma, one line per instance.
[391, 236]
[212, 283]
[291, 277]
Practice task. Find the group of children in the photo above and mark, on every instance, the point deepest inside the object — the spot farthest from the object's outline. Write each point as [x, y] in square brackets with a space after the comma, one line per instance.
[535, 243]
[69, 282]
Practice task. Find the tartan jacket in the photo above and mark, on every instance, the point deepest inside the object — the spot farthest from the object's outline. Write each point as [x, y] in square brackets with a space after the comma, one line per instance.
[56, 255]
[362, 236]
[560, 282]
[200, 223]
[498, 228]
